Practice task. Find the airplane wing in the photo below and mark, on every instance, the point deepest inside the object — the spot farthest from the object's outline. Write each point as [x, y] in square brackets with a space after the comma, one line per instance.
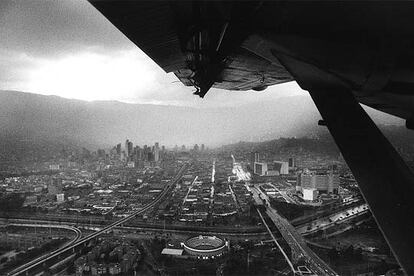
[239, 45]
[343, 53]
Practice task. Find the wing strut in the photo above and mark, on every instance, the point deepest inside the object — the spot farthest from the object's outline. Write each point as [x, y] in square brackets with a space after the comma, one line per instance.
[385, 180]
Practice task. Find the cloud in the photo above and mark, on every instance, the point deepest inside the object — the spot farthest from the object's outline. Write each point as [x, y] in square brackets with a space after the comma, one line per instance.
[14, 66]
[50, 28]
[89, 75]
[67, 48]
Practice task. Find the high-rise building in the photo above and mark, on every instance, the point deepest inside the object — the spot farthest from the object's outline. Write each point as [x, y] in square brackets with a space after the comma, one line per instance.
[150, 156]
[284, 167]
[157, 152]
[60, 197]
[310, 193]
[128, 148]
[203, 147]
[137, 156]
[196, 148]
[321, 181]
[292, 164]
[278, 168]
[271, 168]
[145, 151]
[55, 186]
[254, 157]
[183, 147]
[260, 168]
[118, 149]
[123, 156]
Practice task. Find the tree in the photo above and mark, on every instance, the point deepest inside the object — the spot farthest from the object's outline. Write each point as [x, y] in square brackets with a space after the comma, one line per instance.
[11, 202]
[3, 260]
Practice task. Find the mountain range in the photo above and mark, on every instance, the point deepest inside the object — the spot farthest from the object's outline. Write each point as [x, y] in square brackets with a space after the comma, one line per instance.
[27, 116]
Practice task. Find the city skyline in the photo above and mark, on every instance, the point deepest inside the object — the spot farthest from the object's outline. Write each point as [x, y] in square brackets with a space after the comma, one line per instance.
[133, 202]
[34, 117]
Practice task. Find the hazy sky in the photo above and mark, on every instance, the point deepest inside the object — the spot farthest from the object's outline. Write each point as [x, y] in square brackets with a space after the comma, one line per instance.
[67, 48]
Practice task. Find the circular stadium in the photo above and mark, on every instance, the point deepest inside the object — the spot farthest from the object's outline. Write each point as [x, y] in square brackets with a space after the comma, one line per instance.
[205, 247]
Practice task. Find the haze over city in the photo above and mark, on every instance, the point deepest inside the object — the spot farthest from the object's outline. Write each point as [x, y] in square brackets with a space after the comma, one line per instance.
[68, 49]
[109, 165]
[30, 117]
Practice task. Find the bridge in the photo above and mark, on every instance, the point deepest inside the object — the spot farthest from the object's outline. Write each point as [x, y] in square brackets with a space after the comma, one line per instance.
[42, 261]
[296, 242]
[77, 231]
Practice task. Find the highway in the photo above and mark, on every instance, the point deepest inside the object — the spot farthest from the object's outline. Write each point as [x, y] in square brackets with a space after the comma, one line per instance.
[298, 244]
[277, 243]
[189, 188]
[289, 233]
[332, 220]
[302, 228]
[105, 229]
[155, 228]
[294, 239]
[67, 227]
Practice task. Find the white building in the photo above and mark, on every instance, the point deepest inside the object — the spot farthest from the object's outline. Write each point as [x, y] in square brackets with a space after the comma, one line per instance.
[60, 197]
[281, 166]
[54, 167]
[309, 194]
[322, 182]
[260, 168]
[271, 169]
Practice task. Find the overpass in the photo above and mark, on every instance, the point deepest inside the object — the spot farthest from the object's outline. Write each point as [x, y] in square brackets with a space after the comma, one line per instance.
[71, 248]
[56, 226]
[300, 225]
[151, 227]
[77, 231]
[295, 241]
[298, 244]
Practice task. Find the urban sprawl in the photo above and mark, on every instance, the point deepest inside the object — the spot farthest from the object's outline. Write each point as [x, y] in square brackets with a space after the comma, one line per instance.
[154, 210]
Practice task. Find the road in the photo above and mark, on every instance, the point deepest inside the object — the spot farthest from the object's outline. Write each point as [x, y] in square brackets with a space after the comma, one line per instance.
[239, 172]
[107, 228]
[217, 230]
[213, 171]
[298, 244]
[293, 238]
[189, 188]
[333, 219]
[277, 243]
[67, 227]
